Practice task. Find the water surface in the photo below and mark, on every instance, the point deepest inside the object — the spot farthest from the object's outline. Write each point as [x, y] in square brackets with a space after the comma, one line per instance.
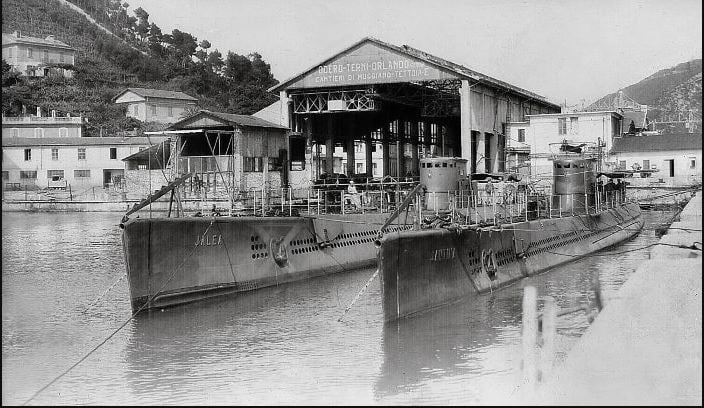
[280, 345]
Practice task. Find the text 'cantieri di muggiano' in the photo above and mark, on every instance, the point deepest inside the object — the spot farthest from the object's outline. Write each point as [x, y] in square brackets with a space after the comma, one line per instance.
[360, 71]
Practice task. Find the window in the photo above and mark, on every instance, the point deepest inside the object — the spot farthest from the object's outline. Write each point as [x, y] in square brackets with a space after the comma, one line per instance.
[5, 175]
[10, 51]
[81, 153]
[54, 154]
[360, 168]
[562, 126]
[622, 164]
[46, 56]
[28, 174]
[153, 108]
[81, 173]
[15, 132]
[692, 163]
[358, 147]
[52, 173]
[63, 132]
[374, 170]
[113, 153]
[171, 111]
[574, 124]
[61, 57]
[522, 135]
[646, 164]
[38, 132]
[274, 164]
[29, 52]
[252, 164]
[27, 154]
[135, 110]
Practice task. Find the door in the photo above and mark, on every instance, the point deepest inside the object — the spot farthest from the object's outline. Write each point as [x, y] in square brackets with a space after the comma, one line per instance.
[671, 167]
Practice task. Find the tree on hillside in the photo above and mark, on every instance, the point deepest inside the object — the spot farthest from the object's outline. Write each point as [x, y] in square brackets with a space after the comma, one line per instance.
[143, 25]
[215, 62]
[202, 53]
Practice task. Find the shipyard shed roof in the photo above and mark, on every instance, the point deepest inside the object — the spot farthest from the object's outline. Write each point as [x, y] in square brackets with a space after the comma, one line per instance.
[224, 119]
[654, 143]
[440, 63]
[79, 141]
[156, 93]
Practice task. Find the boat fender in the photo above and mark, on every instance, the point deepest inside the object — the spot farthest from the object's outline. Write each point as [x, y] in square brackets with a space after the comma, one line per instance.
[278, 251]
[489, 263]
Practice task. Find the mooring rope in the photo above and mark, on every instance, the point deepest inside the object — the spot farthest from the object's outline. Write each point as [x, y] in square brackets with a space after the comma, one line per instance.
[104, 293]
[359, 294]
[94, 349]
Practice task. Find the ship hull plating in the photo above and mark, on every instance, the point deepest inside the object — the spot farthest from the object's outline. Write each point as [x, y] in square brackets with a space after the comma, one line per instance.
[178, 260]
[424, 269]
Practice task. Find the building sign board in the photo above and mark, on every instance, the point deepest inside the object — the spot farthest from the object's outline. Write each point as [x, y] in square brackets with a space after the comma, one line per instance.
[370, 64]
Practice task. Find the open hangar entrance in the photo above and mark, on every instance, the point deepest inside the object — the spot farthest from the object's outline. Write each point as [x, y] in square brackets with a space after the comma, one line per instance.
[387, 106]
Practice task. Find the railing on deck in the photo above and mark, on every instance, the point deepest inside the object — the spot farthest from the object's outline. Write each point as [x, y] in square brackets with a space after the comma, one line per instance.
[463, 206]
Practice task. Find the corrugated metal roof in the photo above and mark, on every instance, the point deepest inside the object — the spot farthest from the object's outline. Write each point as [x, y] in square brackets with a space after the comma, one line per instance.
[230, 119]
[441, 63]
[11, 39]
[156, 93]
[79, 141]
[654, 143]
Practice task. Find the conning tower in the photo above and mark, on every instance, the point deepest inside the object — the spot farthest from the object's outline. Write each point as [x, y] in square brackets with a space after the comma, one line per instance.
[441, 177]
[573, 184]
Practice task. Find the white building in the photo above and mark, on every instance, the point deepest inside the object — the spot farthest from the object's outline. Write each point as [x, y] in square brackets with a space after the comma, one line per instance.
[677, 157]
[539, 137]
[155, 105]
[84, 162]
[41, 126]
[33, 56]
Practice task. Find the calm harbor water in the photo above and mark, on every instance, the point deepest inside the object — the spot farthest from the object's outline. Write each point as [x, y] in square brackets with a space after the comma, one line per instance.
[281, 345]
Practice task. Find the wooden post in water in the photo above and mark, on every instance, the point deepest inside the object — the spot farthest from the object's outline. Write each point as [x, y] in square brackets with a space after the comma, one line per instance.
[530, 335]
[547, 351]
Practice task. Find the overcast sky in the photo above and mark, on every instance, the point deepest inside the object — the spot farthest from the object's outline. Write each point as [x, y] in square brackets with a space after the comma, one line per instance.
[562, 49]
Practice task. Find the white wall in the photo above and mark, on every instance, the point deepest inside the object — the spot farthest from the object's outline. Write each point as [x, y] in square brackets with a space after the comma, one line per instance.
[684, 174]
[97, 159]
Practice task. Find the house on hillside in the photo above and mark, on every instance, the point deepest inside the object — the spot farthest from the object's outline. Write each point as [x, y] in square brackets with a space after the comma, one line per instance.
[41, 126]
[83, 162]
[678, 157]
[223, 151]
[155, 105]
[37, 57]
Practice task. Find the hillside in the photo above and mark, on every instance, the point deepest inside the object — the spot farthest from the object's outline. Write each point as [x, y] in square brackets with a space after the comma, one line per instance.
[118, 49]
[668, 92]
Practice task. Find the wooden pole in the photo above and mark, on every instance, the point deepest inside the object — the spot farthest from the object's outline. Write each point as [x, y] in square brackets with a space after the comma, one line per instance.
[547, 351]
[530, 335]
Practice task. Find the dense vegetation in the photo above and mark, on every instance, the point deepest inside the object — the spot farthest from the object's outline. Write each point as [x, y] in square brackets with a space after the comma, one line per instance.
[138, 54]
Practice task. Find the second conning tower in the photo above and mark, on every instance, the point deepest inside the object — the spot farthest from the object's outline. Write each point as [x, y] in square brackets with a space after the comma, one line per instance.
[574, 183]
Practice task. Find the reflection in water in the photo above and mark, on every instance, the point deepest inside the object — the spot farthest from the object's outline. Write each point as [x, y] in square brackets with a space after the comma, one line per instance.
[277, 345]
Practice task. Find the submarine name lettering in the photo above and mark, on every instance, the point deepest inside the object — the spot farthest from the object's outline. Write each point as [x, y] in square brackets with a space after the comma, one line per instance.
[209, 240]
[443, 254]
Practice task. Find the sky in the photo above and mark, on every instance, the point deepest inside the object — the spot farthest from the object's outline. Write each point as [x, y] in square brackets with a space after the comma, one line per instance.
[573, 51]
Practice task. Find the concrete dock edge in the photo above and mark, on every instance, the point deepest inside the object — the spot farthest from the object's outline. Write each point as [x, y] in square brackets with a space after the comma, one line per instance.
[645, 347]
